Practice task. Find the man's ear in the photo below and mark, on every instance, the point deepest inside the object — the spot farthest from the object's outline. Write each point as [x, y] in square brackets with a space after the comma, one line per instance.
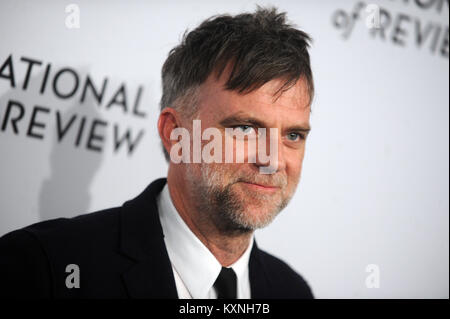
[168, 120]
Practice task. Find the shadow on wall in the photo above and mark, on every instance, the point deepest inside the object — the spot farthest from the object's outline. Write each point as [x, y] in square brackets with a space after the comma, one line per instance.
[66, 191]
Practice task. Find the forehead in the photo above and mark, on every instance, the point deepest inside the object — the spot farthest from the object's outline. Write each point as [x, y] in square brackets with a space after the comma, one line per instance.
[266, 101]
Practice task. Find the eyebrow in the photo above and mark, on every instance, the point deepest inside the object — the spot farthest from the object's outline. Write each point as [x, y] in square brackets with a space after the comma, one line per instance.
[246, 119]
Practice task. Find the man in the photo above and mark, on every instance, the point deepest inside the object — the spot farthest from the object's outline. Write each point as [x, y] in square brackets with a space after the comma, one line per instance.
[191, 236]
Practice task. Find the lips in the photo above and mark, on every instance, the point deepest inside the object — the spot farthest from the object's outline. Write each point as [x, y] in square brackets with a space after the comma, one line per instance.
[261, 187]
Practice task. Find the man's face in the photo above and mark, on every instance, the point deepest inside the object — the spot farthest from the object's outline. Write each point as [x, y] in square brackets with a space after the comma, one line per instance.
[237, 196]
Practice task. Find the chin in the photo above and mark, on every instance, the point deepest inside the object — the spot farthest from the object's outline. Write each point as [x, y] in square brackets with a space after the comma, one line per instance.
[259, 216]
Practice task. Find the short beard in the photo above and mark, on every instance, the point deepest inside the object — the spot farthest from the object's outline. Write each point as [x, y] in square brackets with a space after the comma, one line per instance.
[217, 202]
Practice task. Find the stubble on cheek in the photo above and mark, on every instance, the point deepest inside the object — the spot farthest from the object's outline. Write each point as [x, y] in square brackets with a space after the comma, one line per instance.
[233, 206]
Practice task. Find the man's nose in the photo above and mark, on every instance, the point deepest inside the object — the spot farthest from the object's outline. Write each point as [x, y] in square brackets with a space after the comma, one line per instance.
[270, 158]
[281, 164]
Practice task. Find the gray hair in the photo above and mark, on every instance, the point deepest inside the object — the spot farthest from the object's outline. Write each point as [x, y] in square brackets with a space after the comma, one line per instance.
[260, 46]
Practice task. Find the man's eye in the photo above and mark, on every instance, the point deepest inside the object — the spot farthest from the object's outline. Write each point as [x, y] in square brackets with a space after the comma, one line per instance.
[295, 137]
[245, 128]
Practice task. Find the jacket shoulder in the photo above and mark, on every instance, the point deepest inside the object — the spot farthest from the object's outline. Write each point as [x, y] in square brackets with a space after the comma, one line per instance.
[33, 257]
[285, 281]
[24, 268]
[87, 222]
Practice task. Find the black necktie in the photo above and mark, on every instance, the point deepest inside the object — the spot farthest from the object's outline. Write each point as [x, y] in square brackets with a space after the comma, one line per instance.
[225, 284]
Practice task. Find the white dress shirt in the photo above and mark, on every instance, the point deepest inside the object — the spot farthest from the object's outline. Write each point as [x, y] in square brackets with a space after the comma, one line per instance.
[194, 267]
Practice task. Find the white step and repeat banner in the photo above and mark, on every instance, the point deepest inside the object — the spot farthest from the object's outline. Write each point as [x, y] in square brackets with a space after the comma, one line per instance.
[79, 93]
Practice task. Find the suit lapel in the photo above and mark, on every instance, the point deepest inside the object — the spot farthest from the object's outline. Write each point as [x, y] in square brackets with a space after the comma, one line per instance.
[150, 278]
[142, 240]
[259, 282]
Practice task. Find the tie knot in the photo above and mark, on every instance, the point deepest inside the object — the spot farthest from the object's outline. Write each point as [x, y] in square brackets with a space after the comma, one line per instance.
[225, 284]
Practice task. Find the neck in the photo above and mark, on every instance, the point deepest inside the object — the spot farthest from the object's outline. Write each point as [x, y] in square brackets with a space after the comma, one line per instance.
[227, 248]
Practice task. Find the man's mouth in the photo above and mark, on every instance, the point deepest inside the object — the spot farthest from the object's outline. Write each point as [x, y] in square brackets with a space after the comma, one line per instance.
[261, 187]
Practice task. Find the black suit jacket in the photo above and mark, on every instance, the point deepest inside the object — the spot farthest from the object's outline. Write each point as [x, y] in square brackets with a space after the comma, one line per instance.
[120, 253]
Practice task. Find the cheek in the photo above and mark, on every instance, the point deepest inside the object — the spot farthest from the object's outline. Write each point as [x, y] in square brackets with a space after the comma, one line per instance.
[294, 169]
[225, 172]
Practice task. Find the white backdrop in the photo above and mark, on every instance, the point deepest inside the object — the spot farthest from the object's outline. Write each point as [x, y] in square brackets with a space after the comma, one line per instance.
[374, 188]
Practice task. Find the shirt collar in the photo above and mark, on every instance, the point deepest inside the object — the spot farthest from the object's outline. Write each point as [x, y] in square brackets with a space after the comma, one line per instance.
[196, 265]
